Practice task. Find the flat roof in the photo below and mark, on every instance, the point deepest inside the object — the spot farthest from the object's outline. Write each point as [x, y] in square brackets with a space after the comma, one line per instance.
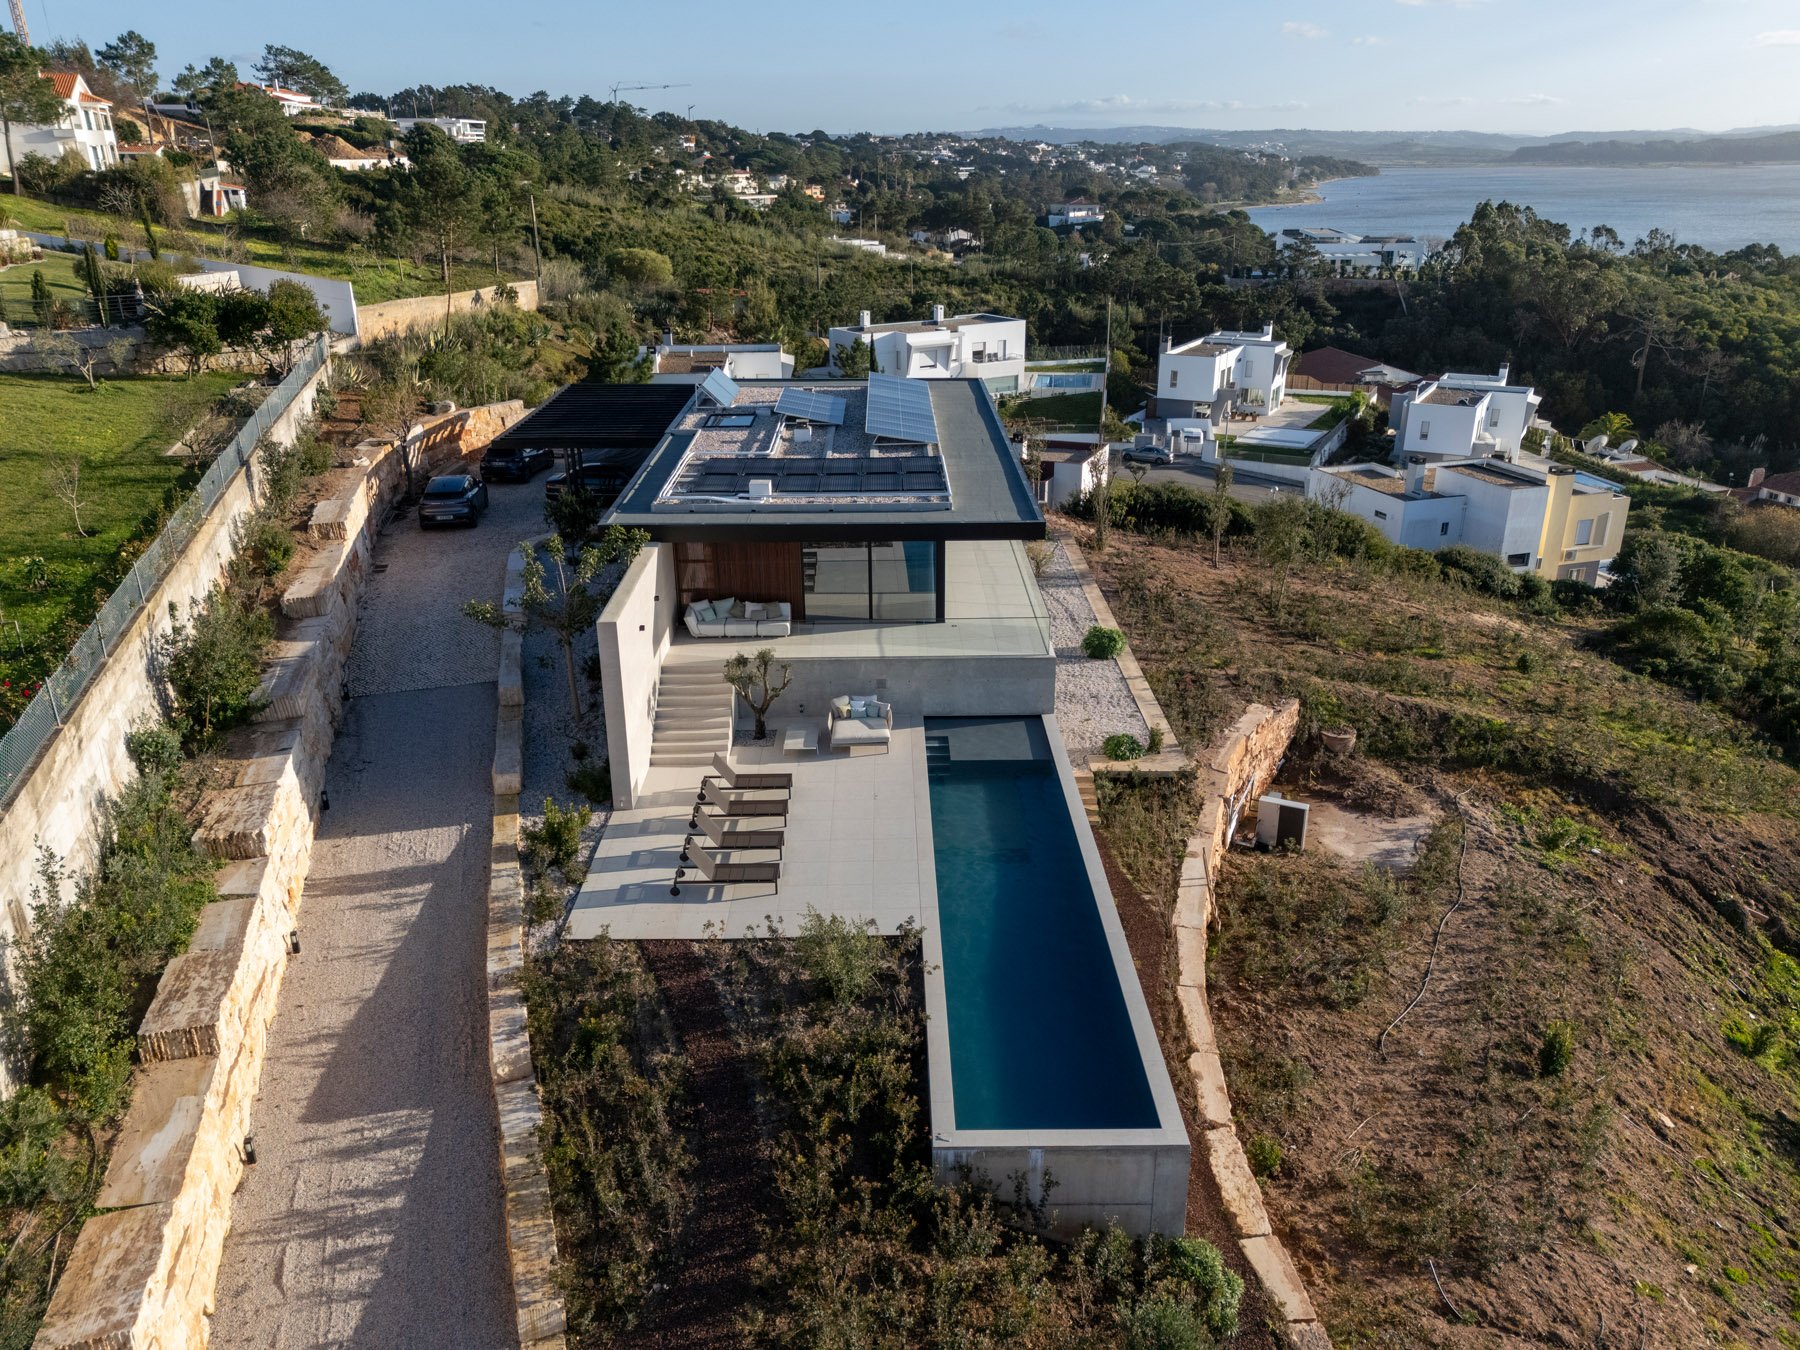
[599, 417]
[1496, 473]
[1201, 347]
[1444, 396]
[972, 487]
[1390, 484]
[951, 324]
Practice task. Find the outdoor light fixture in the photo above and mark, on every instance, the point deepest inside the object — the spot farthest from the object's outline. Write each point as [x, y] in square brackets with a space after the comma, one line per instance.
[247, 1151]
[293, 942]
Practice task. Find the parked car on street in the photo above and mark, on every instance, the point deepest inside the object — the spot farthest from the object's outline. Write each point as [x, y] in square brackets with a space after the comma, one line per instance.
[1148, 454]
[515, 464]
[452, 499]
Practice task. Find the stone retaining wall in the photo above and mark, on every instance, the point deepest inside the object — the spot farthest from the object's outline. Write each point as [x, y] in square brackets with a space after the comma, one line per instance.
[1236, 770]
[143, 1272]
[530, 1224]
[404, 316]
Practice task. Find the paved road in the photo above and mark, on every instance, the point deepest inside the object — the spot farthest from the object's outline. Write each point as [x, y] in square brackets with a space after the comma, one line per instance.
[1246, 485]
[373, 1215]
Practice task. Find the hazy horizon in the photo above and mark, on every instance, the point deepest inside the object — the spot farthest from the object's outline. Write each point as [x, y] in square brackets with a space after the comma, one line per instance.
[1392, 65]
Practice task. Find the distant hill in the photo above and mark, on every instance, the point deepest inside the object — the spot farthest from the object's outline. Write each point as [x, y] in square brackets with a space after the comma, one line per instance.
[1780, 148]
[1374, 147]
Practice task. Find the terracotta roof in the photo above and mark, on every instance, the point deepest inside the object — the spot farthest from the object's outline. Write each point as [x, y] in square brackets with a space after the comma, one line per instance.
[1334, 365]
[65, 82]
[1788, 483]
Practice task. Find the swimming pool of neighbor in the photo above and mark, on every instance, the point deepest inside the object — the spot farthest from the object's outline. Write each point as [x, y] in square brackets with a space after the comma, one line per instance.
[1039, 1034]
[1043, 1056]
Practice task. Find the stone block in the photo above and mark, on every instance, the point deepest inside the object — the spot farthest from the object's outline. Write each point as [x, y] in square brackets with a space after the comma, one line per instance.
[1269, 1259]
[1212, 1102]
[520, 1115]
[1190, 956]
[1242, 1197]
[158, 1138]
[1306, 1336]
[198, 1005]
[512, 661]
[342, 514]
[112, 1291]
[509, 753]
[509, 1046]
[290, 686]
[1196, 1017]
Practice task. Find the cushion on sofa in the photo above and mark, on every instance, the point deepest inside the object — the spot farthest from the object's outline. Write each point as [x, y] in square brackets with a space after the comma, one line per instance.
[754, 610]
[722, 608]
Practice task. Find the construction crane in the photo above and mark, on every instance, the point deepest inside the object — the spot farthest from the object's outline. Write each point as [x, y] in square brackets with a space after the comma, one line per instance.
[18, 17]
[627, 88]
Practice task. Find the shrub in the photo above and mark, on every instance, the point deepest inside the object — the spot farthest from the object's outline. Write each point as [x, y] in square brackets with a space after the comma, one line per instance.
[1039, 552]
[1122, 745]
[1155, 744]
[556, 843]
[1198, 1264]
[213, 664]
[155, 747]
[1102, 644]
[1263, 1154]
[592, 780]
[1557, 1050]
[265, 544]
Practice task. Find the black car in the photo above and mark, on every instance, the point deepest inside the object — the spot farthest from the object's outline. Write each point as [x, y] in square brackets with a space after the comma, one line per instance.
[602, 482]
[452, 499]
[516, 464]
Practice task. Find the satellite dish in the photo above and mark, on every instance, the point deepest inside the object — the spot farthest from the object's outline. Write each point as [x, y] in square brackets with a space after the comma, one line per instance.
[1629, 446]
[1595, 445]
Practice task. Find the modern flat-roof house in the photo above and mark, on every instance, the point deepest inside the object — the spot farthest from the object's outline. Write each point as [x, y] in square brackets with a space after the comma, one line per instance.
[873, 535]
[84, 126]
[462, 130]
[987, 347]
[1456, 416]
[1076, 213]
[1221, 373]
[1557, 522]
[1070, 465]
[692, 362]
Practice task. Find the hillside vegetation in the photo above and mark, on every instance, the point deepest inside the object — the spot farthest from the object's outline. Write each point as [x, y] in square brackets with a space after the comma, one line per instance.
[1591, 1111]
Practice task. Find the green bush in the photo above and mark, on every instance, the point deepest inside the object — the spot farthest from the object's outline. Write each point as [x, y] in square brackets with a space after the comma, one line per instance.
[213, 664]
[1264, 1155]
[155, 747]
[265, 544]
[592, 780]
[556, 843]
[1557, 1050]
[1122, 745]
[1102, 644]
[1155, 744]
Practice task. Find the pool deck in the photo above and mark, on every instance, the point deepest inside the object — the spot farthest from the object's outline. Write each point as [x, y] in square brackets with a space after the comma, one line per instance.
[858, 846]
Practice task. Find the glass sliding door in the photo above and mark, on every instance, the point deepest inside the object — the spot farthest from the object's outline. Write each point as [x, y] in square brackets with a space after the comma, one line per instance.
[903, 581]
[882, 582]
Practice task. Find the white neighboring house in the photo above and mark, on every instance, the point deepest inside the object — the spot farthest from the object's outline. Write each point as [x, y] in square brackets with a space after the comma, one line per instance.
[1214, 374]
[673, 362]
[1262, 368]
[1551, 521]
[1070, 465]
[985, 347]
[1077, 213]
[1457, 416]
[84, 126]
[462, 130]
[291, 101]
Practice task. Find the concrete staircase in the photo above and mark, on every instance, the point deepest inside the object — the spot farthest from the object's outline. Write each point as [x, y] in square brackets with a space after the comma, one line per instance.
[1090, 799]
[693, 717]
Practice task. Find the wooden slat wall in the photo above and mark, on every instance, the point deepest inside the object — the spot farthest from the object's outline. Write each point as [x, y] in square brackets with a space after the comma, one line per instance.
[709, 571]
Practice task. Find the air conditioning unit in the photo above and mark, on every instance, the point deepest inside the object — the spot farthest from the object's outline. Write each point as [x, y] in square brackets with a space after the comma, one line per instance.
[1280, 822]
[802, 435]
[761, 489]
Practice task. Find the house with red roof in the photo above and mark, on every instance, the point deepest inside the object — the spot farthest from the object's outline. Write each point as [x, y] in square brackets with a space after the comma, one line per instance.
[84, 127]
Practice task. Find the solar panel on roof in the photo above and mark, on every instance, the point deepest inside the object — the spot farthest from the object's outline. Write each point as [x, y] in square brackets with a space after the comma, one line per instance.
[720, 388]
[809, 405]
[900, 409]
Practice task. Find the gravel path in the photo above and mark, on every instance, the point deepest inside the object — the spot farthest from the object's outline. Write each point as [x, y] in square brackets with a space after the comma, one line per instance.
[373, 1215]
[1092, 699]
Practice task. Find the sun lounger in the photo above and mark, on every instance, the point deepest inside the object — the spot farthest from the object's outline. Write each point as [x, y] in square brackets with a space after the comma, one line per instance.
[724, 834]
[741, 780]
[712, 870]
[725, 802]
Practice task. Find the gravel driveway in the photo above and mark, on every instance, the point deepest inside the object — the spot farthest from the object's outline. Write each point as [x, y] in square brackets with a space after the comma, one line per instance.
[1092, 699]
[373, 1215]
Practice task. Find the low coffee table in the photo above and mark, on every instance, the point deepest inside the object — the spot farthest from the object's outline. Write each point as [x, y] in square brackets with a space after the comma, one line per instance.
[800, 739]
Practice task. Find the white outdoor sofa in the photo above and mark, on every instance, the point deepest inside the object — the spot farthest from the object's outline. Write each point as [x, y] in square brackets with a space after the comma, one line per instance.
[735, 618]
[853, 721]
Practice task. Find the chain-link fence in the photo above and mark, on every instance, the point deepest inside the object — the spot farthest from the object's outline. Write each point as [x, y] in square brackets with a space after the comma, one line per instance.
[54, 701]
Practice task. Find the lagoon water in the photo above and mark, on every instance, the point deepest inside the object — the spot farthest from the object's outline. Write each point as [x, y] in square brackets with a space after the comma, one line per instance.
[1719, 207]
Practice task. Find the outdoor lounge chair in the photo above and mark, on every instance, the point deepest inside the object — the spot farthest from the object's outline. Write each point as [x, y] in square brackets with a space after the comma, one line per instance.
[740, 803]
[715, 871]
[742, 780]
[724, 834]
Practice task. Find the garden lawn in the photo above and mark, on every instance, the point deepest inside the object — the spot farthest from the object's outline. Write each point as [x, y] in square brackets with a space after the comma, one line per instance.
[119, 433]
[15, 287]
[1067, 410]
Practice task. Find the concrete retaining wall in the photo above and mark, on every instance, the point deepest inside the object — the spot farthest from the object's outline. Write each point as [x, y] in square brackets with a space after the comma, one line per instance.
[143, 1272]
[1235, 771]
[84, 764]
[530, 1223]
[633, 633]
[403, 316]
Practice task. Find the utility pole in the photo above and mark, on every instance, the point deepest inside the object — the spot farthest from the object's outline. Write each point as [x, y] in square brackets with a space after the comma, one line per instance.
[537, 260]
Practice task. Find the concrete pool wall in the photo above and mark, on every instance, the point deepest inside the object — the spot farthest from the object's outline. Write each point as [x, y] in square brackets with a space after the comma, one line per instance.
[1135, 1178]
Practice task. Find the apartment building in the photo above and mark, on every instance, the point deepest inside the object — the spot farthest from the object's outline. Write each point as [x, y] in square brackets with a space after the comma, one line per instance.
[84, 126]
[987, 347]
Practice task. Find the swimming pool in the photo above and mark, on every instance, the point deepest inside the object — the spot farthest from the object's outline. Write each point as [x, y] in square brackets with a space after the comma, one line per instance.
[1040, 1036]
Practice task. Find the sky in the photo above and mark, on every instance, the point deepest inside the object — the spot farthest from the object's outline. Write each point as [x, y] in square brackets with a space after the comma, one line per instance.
[1524, 66]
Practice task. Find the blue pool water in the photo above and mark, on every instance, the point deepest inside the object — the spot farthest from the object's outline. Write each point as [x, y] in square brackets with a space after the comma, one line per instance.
[1594, 480]
[1039, 1033]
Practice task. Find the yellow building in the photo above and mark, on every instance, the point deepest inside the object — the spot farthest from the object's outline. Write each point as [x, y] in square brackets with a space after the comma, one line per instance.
[1584, 521]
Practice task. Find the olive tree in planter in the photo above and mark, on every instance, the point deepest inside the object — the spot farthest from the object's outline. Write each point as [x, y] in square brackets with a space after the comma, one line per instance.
[753, 678]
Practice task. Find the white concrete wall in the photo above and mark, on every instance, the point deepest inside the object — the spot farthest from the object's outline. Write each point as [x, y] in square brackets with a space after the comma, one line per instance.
[1263, 367]
[1410, 524]
[1499, 520]
[634, 631]
[1440, 430]
[1193, 378]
